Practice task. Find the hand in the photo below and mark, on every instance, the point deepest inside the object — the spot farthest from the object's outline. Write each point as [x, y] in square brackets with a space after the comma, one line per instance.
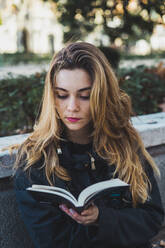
[88, 216]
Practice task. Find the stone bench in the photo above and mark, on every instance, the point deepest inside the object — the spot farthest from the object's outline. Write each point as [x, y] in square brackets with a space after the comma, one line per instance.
[13, 233]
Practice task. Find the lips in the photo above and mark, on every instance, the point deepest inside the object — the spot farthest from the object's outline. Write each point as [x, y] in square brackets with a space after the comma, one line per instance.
[72, 119]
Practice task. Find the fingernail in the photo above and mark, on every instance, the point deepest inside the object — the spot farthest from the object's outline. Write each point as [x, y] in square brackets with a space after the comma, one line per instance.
[72, 211]
[62, 207]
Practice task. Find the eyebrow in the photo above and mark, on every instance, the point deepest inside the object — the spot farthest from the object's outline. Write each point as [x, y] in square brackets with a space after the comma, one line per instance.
[80, 90]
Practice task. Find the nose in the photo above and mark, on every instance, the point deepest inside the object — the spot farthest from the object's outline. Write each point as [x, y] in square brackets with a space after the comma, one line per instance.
[73, 104]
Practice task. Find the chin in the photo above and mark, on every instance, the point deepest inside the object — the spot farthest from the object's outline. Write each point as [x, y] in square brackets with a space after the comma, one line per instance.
[74, 128]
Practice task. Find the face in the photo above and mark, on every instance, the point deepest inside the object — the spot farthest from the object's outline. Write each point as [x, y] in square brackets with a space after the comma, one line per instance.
[72, 95]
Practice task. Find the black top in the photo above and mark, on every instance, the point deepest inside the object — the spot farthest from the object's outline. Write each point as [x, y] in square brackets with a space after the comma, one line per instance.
[119, 224]
[78, 148]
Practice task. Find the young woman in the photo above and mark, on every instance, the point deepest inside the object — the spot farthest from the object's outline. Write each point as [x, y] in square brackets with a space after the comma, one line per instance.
[84, 135]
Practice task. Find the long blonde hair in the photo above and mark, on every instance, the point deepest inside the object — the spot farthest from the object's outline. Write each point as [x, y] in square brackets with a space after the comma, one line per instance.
[114, 137]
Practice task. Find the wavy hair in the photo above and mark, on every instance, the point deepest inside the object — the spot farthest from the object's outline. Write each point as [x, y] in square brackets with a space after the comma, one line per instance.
[114, 137]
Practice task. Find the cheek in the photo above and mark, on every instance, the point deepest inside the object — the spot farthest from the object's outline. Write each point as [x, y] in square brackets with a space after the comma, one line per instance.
[88, 111]
[59, 107]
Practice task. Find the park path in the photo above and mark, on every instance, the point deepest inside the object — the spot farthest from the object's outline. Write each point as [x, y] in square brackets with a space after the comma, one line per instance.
[28, 69]
[22, 69]
[133, 63]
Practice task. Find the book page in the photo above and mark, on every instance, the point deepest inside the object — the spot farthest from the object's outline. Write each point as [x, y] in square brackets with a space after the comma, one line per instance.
[53, 189]
[97, 187]
[55, 193]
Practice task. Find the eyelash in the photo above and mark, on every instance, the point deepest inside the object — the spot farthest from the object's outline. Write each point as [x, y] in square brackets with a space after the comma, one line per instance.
[65, 97]
[85, 97]
[61, 97]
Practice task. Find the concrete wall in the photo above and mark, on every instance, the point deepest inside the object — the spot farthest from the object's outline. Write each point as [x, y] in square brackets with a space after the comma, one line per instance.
[158, 153]
[12, 231]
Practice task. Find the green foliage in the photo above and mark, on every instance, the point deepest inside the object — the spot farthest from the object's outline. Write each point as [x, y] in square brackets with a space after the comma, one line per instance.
[21, 96]
[145, 88]
[20, 101]
[116, 18]
[0, 19]
[16, 58]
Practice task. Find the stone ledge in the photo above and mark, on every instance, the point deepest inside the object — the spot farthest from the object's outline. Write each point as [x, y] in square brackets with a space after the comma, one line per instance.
[10, 140]
[7, 160]
[151, 128]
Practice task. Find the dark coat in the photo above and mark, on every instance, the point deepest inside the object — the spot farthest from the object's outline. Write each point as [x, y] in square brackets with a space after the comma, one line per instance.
[119, 224]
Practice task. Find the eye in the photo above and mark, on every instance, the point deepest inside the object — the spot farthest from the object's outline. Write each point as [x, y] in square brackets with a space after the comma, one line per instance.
[85, 97]
[61, 96]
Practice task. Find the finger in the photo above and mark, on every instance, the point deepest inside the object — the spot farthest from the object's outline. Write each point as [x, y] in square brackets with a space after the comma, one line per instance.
[78, 218]
[85, 213]
[84, 219]
[88, 211]
[89, 206]
[73, 213]
[91, 218]
[70, 212]
[85, 222]
[64, 208]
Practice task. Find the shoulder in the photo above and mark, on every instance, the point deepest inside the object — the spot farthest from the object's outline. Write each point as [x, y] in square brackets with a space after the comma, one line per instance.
[24, 178]
[146, 165]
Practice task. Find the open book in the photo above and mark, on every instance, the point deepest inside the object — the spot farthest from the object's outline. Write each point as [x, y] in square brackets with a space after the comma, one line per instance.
[56, 195]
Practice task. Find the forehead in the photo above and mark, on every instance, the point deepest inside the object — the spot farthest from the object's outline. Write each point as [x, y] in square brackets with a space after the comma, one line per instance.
[73, 79]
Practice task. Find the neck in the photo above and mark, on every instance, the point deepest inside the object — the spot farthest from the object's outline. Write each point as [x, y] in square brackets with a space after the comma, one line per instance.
[80, 136]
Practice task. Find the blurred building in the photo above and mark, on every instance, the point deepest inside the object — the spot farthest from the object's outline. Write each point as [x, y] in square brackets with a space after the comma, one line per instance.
[157, 42]
[158, 38]
[31, 25]
[27, 25]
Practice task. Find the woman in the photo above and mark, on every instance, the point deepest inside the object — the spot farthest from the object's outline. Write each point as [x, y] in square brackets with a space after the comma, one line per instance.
[83, 136]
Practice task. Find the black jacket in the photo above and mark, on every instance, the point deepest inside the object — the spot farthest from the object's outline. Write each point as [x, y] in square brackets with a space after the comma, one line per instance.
[120, 225]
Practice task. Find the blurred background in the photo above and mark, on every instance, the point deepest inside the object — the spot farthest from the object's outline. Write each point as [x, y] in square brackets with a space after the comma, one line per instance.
[130, 33]
[133, 26]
